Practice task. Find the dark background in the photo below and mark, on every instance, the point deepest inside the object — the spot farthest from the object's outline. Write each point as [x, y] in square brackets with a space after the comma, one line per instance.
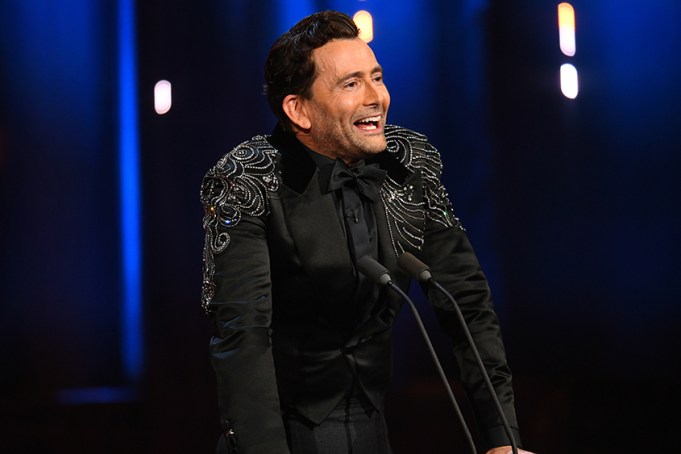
[571, 205]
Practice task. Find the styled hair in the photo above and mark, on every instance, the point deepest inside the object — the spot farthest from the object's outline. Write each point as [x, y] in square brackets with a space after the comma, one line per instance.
[290, 68]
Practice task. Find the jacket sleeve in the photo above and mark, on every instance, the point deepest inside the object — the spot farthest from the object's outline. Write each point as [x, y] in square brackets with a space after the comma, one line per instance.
[236, 295]
[448, 252]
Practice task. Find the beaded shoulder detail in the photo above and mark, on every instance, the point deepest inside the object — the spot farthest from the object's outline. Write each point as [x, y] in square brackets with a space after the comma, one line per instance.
[239, 184]
[415, 152]
[243, 181]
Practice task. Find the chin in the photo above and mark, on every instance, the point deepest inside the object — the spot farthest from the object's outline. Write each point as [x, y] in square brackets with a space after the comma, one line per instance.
[376, 146]
[372, 151]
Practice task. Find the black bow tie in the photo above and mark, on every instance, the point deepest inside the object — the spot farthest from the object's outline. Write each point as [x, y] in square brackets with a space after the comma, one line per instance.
[366, 179]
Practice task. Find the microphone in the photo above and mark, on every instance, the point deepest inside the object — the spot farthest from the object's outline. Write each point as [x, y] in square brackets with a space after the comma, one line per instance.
[381, 276]
[414, 267]
[374, 270]
[420, 271]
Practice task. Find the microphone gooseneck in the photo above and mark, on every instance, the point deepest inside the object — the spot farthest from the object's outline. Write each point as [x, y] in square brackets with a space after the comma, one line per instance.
[420, 271]
[381, 276]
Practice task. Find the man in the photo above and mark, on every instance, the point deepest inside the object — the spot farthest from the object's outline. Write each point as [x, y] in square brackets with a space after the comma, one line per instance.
[302, 344]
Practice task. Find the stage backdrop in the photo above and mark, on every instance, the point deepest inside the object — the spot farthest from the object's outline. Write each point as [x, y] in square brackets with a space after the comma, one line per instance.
[571, 205]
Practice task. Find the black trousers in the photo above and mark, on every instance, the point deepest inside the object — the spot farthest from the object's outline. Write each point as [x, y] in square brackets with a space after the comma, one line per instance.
[354, 427]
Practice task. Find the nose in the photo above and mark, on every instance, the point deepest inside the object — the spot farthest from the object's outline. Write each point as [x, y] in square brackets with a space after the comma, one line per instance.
[374, 95]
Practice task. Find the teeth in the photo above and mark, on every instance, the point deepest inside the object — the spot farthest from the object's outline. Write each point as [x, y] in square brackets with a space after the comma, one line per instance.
[371, 119]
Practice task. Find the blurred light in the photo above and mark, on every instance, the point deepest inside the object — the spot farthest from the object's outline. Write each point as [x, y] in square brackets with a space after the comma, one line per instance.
[101, 395]
[131, 234]
[569, 84]
[365, 23]
[163, 97]
[566, 29]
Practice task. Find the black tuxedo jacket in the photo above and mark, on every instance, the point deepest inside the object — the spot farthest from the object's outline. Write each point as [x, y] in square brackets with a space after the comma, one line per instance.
[279, 281]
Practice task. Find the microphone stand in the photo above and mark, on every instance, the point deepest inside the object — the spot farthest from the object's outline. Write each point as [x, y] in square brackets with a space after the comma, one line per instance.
[421, 272]
[440, 371]
[380, 275]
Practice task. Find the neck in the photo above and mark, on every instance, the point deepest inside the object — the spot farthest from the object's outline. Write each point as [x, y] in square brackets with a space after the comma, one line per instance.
[311, 145]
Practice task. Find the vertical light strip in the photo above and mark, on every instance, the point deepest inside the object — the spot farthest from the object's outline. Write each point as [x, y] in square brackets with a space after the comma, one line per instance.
[566, 29]
[131, 342]
[569, 82]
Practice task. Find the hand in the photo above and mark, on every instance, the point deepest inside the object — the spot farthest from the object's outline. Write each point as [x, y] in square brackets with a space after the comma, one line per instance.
[506, 450]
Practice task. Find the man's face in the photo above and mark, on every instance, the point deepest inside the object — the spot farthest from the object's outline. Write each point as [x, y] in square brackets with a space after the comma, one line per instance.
[349, 103]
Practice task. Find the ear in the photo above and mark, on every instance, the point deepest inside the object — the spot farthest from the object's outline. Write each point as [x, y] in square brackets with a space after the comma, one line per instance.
[294, 108]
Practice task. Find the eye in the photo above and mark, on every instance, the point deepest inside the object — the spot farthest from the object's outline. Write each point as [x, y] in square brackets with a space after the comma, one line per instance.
[351, 84]
[378, 78]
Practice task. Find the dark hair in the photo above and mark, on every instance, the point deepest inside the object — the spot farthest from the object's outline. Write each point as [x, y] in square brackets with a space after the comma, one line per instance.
[290, 68]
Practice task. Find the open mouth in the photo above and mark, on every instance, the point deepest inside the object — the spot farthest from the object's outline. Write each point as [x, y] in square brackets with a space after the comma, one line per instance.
[369, 123]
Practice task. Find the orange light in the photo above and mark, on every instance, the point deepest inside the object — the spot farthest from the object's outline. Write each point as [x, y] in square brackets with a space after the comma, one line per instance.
[365, 23]
[566, 29]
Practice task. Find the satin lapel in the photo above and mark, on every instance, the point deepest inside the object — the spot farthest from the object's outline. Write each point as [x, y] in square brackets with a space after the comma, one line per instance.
[313, 223]
[312, 220]
[386, 252]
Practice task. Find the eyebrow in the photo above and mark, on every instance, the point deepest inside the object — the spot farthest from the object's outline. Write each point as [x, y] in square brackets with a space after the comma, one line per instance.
[376, 69]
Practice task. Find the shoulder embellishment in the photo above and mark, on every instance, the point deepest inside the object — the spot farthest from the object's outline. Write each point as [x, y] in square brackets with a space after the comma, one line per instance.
[239, 184]
[414, 151]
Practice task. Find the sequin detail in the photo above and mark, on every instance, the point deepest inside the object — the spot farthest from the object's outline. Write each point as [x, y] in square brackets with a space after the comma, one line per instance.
[239, 184]
[404, 216]
[244, 180]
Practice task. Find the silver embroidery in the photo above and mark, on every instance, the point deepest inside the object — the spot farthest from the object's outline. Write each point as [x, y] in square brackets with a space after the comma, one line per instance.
[239, 184]
[244, 179]
[404, 217]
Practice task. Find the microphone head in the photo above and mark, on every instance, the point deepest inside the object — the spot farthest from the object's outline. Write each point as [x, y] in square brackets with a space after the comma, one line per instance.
[414, 267]
[373, 270]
